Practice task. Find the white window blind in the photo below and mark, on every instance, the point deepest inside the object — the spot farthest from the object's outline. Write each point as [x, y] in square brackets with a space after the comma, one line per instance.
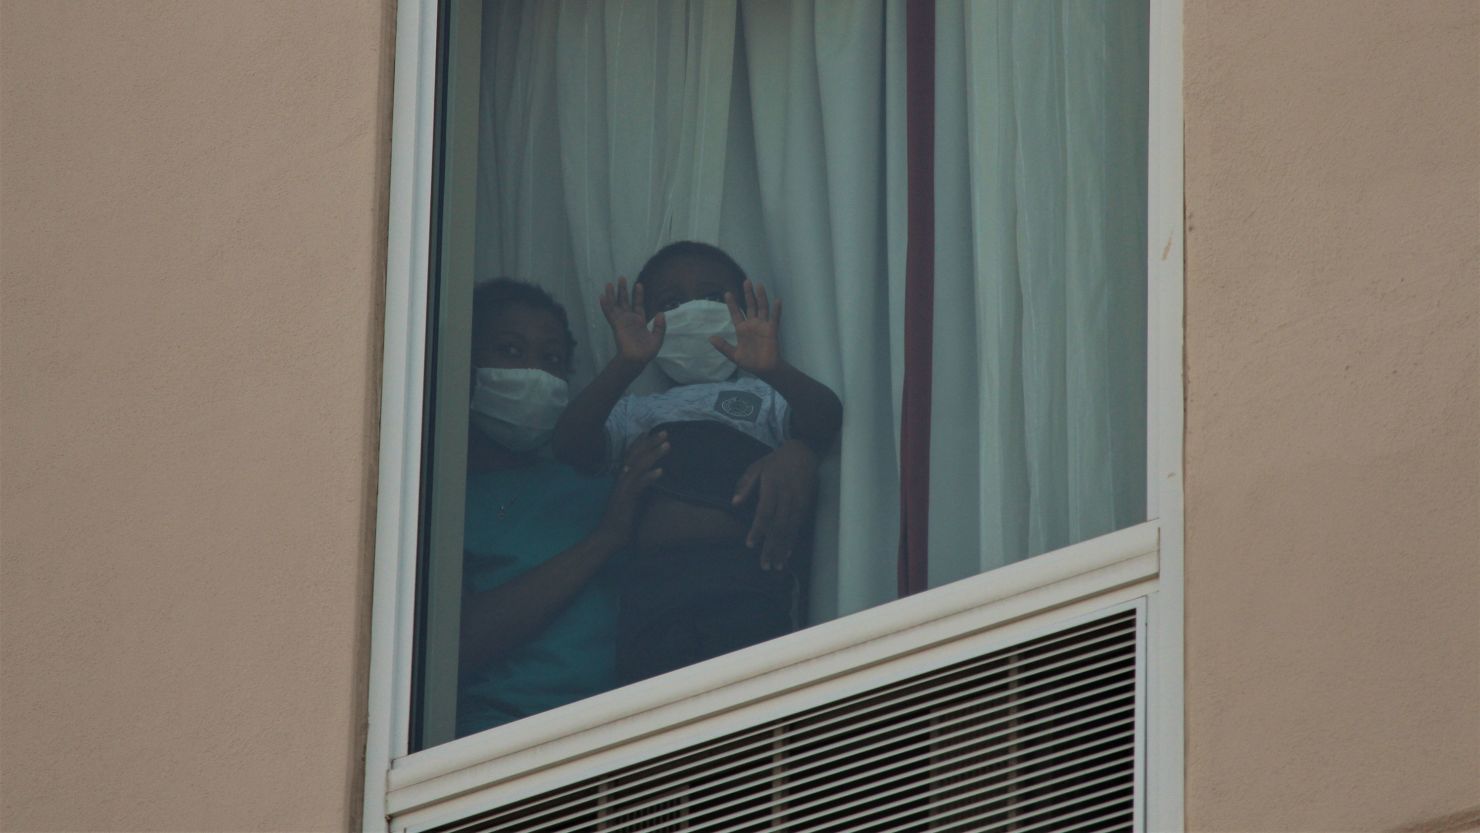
[1039, 736]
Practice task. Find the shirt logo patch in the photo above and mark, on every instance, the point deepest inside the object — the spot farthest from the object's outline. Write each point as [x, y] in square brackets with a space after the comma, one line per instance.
[738, 405]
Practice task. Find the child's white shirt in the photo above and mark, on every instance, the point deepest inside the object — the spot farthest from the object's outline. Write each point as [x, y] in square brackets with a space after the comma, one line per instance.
[745, 403]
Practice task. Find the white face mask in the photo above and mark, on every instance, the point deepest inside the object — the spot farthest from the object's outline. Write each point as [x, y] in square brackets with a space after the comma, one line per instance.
[518, 407]
[687, 357]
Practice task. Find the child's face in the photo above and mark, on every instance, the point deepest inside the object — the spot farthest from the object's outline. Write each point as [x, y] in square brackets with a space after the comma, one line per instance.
[684, 279]
[521, 336]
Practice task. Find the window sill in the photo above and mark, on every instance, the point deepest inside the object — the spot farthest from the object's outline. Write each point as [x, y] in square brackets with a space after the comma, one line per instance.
[831, 660]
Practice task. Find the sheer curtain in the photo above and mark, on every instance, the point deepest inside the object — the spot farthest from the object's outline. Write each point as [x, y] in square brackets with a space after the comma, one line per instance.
[825, 86]
[603, 136]
[775, 128]
[1038, 408]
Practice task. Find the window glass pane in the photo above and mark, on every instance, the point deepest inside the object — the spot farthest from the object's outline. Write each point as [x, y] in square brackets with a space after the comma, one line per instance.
[578, 140]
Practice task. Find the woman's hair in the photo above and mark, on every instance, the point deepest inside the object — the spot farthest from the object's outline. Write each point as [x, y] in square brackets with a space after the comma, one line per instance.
[491, 296]
[693, 249]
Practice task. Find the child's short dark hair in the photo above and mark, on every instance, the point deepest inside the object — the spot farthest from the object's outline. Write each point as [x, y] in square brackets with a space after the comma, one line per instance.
[491, 296]
[694, 249]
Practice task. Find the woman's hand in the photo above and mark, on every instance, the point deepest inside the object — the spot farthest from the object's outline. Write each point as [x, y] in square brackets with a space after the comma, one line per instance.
[756, 348]
[784, 486]
[636, 344]
[638, 472]
[503, 618]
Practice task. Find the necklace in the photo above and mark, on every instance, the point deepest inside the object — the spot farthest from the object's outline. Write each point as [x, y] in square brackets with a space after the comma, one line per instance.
[513, 483]
[503, 509]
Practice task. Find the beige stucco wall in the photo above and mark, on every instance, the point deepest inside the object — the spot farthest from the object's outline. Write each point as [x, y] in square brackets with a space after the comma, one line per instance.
[191, 238]
[192, 200]
[1333, 423]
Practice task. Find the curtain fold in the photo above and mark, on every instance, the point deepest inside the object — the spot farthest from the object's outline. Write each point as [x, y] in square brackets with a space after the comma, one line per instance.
[919, 303]
[820, 74]
[777, 128]
[605, 130]
[1040, 310]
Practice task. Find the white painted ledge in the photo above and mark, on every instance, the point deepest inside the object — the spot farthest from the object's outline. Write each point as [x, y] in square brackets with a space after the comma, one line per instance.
[568, 739]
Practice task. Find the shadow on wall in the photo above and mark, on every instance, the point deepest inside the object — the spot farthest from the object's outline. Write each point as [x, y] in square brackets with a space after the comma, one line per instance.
[1461, 822]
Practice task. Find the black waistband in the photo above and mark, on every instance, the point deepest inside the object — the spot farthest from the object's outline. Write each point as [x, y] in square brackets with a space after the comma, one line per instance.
[705, 461]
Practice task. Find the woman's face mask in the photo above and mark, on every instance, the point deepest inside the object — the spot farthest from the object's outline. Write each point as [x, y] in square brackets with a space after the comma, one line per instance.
[518, 407]
[686, 356]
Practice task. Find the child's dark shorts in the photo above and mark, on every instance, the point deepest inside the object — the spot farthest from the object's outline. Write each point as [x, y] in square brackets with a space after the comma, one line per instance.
[691, 602]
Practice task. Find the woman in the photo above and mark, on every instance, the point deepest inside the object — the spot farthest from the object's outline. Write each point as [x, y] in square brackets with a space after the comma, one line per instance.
[543, 544]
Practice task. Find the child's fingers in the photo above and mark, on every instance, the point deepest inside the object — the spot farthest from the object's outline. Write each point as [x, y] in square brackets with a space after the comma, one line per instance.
[723, 346]
[622, 293]
[776, 314]
[762, 305]
[660, 326]
[637, 300]
[750, 308]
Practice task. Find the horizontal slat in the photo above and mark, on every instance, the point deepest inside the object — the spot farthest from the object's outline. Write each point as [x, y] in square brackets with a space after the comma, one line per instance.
[1065, 577]
[1029, 689]
[878, 788]
[886, 747]
[824, 788]
[1020, 743]
[1007, 805]
[1111, 810]
[1038, 733]
[962, 723]
[842, 716]
[913, 798]
[1042, 818]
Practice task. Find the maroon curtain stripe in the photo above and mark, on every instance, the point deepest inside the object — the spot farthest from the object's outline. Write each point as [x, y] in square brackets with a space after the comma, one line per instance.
[919, 295]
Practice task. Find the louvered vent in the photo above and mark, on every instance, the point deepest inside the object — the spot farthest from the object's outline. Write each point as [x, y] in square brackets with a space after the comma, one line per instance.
[1038, 737]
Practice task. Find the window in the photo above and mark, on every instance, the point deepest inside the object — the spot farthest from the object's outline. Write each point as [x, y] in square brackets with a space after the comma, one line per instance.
[574, 140]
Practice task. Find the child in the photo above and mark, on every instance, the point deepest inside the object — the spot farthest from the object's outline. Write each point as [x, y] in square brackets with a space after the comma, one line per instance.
[695, 590]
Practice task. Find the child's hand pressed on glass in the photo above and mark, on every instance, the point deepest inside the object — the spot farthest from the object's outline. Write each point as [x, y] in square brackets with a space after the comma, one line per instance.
[756, 349]
[628, 320]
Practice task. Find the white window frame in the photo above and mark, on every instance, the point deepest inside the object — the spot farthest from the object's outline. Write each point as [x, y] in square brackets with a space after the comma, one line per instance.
[1141, 565]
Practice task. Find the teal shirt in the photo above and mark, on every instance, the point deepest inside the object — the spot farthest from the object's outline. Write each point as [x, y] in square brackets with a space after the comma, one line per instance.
[547, 509]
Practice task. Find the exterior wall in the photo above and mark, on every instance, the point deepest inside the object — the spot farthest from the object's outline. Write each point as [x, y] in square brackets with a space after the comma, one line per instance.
[192, 203]
[1333, 442]
[191, 235]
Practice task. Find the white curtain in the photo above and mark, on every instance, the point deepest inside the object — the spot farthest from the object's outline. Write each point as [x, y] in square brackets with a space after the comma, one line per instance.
[825, 84]
[604, 128]
[1040, 315]
[775, 128]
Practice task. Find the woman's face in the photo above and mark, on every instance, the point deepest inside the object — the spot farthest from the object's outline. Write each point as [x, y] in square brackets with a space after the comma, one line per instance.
[522, 336]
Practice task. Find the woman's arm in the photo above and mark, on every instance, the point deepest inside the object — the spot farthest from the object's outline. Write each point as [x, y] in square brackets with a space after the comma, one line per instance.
[816, 412]
[501, 619]
[580, 435]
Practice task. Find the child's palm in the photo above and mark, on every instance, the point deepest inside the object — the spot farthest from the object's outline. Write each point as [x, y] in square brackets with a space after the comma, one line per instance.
[635, 342]
[634, 339]
[757, 348]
